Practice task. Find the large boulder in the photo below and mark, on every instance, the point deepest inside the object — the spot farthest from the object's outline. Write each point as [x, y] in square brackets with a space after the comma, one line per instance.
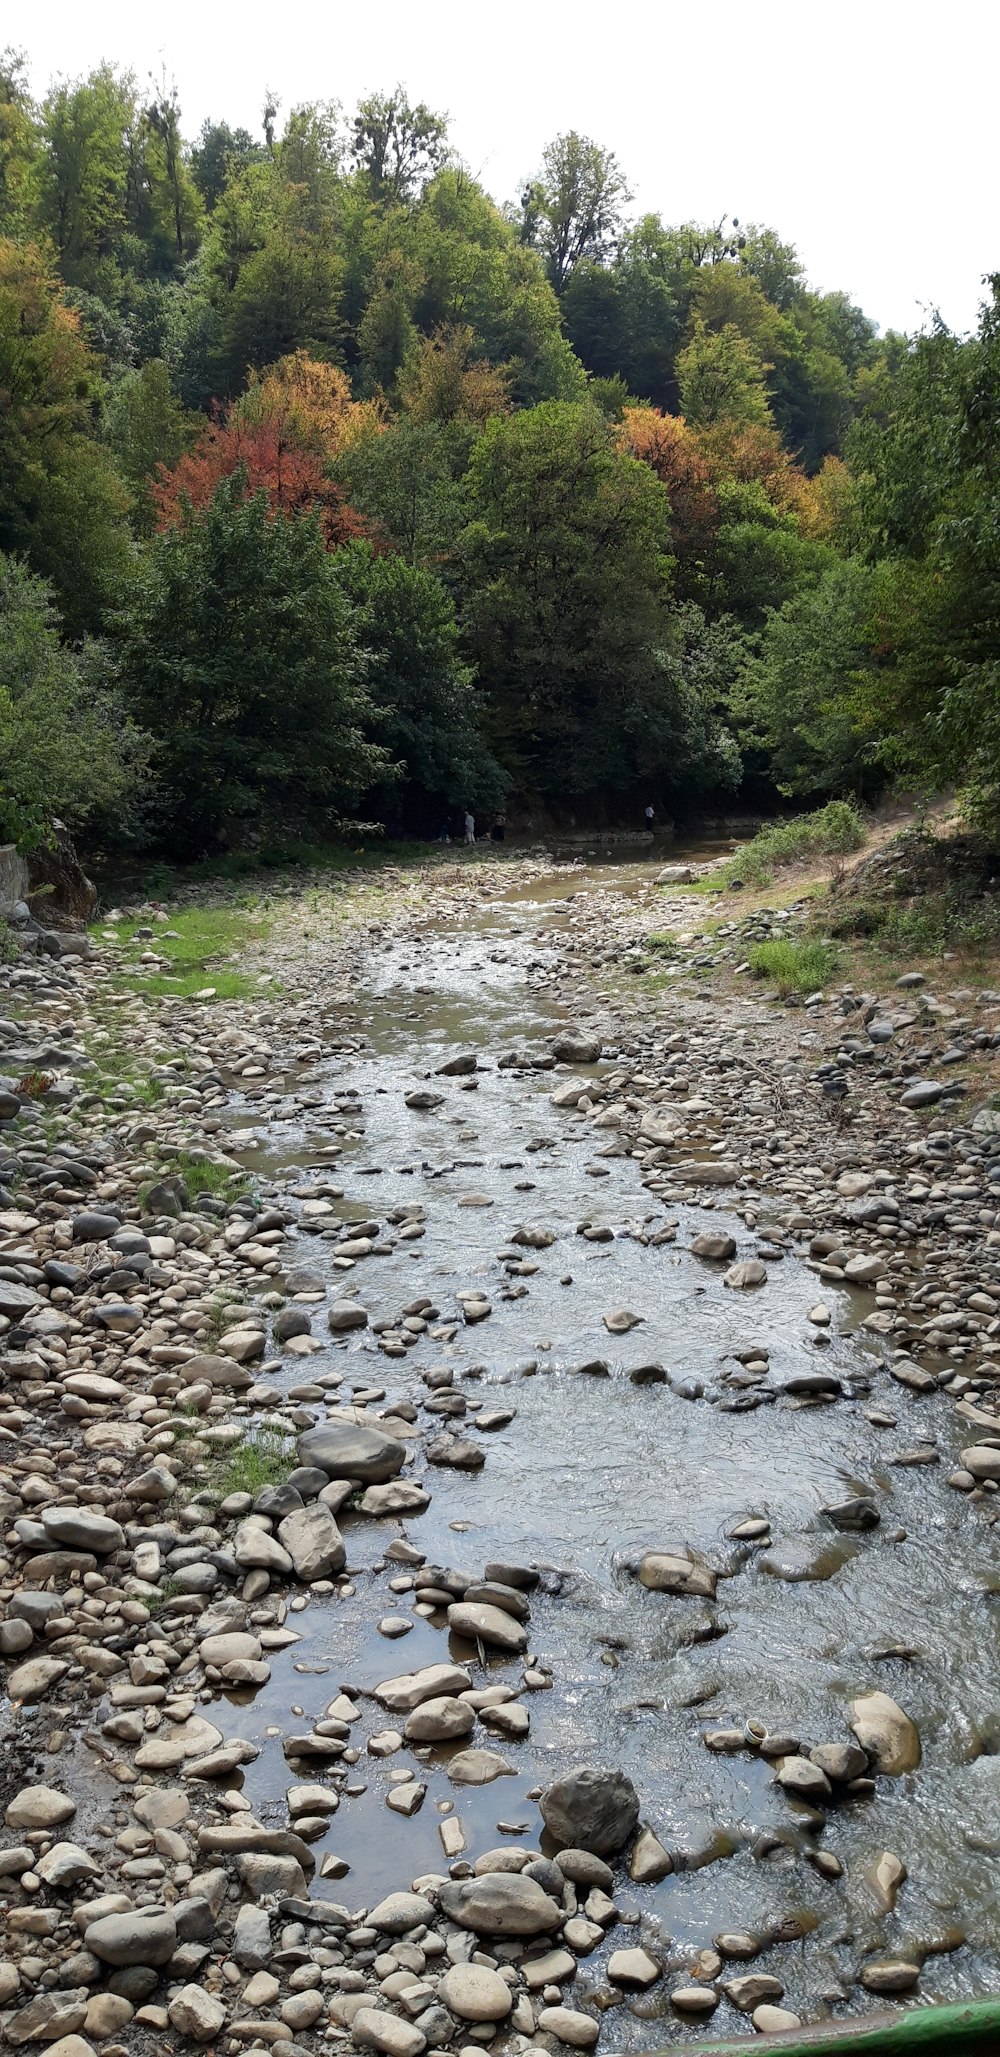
[591, 1810]
[501, 1904]
[348, 1449]
[144, 1936]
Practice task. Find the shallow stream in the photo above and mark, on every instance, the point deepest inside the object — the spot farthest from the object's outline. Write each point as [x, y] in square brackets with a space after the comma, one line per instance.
[593, 1469]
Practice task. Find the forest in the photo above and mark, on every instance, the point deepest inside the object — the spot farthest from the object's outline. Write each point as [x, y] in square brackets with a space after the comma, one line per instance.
[334, 492]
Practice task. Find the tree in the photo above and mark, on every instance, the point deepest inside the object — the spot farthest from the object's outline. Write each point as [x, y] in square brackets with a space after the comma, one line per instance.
[67, 749]
[19, 146]
[85, 172]
[148, 430]
[427, 713]
[407, 483]
[564, 572]
[573, 209]
[266, 454]
[219, 155]
[675, 453]
[240, 655]
[445, 381]
[62, 503]
[316, 400]
[799, 698]
[721, 377]
[397, 147]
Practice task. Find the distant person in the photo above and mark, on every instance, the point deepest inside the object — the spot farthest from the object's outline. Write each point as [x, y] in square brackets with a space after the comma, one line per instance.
[649, 817]
[499, 829]
[444, 832]
[470, 827]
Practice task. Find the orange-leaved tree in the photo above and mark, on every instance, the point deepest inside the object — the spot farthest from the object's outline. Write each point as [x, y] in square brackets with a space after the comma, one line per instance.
[285, 431]
[672, 449]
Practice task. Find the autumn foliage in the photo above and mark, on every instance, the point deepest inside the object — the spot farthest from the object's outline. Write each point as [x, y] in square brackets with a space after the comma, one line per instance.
[284, 433]
[673, 450]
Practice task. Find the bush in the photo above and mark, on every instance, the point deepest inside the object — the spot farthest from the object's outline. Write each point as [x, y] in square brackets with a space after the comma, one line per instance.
[831, 831]
[794, 967]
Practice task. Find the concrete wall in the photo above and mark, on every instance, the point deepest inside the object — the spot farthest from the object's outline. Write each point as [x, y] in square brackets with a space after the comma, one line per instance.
[13, 876]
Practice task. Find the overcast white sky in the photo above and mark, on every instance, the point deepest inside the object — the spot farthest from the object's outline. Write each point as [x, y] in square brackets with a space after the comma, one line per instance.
[864, 132]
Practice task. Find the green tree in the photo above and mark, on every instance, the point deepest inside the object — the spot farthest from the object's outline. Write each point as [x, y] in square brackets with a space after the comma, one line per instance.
[407, 481]
[62, 503]
[147, 427]
[20, 150]
[219, 155]
[565, 576]
[799, 698]
[67, 750]
[397, 147]
[240, 654]
[427, 713]
[85, 172]
[573, 209]
[721, 377]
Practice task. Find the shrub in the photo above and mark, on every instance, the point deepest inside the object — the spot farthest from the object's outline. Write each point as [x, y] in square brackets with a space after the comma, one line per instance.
[832, 830]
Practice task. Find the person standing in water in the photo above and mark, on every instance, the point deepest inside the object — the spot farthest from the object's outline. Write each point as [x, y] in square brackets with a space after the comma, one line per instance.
[470, 827]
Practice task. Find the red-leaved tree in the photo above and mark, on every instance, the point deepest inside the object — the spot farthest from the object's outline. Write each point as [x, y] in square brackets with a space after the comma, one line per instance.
[275, 460]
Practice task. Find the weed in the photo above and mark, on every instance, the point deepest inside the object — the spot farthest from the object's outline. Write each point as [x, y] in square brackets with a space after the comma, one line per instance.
[662, 943]
[262, 1459]
[201, 1175]
[832, 830]
[794, 967]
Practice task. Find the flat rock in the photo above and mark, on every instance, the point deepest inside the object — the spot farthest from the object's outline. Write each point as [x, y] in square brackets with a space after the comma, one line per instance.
[500, 1904]
[485, 1624]
[401, 1695]
[222, 1372]
[77, 1529]
[141, 1937]
[400, 1912]
[37, 1807]
[346, 1449]
[477, 1767]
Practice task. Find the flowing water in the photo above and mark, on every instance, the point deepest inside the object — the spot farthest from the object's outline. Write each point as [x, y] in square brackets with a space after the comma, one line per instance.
[593, 1469]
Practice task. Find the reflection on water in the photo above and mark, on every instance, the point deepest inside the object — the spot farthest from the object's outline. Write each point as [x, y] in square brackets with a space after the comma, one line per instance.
[595, 1468]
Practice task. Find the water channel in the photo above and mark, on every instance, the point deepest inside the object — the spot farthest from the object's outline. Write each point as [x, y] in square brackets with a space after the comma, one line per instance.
[592, 1470]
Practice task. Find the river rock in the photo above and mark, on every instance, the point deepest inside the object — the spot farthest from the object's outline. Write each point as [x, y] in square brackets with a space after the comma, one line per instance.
[75, 1528]
[486, 1624]
[400, 1912]
[719, 1248]
[439, 1721]
[37, 1807]
[372, 2029]
[575, 1046]
[982, 1460]
[474, 1993]
[477, 1768]
[196, 2014]
[145, 1936]
[221, 1372]
[580, 2031]
[31, 1681]
[401, 1695]
[346, 1449]
[886, 1733]
[650, 1861]
[591, 1809]
[633, 1968]
[501, 1904]
[345, 1315]
[663, 1571]
[313, 1541]
[885, 1875]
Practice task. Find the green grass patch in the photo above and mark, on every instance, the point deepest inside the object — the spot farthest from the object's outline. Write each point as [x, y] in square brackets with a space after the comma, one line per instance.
[662, 943]
[794, 967]
[200, 1176]
[264, 1458]
[832, 831]
[200, 945]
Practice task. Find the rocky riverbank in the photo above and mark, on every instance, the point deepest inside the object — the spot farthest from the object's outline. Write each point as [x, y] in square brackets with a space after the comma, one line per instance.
[228, 1402]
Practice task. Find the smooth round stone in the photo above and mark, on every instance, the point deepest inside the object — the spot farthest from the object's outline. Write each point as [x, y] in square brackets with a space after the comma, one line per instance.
[475, 1993]
[694, 1999]
[479, 1622]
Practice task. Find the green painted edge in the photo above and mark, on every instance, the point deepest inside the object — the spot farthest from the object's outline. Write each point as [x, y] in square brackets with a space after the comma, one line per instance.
[969, 2030]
